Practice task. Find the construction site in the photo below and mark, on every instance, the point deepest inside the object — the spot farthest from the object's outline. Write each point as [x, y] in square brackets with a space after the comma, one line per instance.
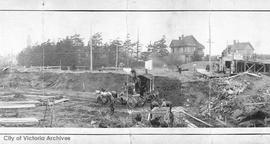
[112, 78]
[54, 98]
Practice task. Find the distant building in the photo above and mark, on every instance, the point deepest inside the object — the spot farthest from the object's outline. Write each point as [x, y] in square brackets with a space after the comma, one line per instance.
[243, 49]
[186, 47]
[235, 55]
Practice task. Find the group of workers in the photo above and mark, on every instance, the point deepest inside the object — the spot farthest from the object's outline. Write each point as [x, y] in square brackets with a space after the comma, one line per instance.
[137, 89]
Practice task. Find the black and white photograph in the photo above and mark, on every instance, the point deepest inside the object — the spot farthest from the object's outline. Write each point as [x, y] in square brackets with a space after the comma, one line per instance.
[135, 64]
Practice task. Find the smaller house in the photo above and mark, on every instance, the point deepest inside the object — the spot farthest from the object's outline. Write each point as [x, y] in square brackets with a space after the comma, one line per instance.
[234, 54]
[244, 49]
[186, 47]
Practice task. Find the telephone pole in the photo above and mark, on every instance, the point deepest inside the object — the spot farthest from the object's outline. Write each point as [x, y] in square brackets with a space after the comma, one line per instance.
[43, 39]
[210, 65]
[43, 31]
[138, 42]
[210, 42]
[127, 55]
[117, 55]
[91, 51]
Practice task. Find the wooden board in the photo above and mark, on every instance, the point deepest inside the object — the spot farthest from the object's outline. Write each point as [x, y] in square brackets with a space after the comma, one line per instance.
[178, 109]
[204, 72]
[18, 120]
[17, 106]
[6, 96]
[190, 124]
[38, 96]
[197, 119]
[59, 101]
[19, 102]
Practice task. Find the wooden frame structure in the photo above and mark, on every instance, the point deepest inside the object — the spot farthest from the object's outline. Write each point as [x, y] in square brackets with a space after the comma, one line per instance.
[250, 66]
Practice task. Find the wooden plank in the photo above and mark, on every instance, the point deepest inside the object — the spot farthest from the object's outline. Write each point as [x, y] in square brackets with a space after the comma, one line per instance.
[38, 96]
[3, 93]
[221, 122]
[252, 74]
[17, 106]
[251, 67]
[6, 96]
[19, 102]
[197, 119]
[236, 68]
[58, 101]
[260, 68]
[61, 100]
[190, 124]
[183, 110]
[18, 120]
[246, 65]
[178, 109]
[259, 103]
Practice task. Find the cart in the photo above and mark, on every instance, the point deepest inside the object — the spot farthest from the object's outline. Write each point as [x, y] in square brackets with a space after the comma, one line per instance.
[148, 94]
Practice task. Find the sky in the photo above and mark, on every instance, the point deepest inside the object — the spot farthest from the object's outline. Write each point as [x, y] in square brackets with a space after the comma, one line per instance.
[253, 27]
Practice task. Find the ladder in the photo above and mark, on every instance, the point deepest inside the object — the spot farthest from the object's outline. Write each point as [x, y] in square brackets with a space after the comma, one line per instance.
[48, 116]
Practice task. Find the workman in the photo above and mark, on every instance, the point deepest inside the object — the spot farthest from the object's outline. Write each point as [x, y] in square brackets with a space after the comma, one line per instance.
[179, 69]
[137, 82]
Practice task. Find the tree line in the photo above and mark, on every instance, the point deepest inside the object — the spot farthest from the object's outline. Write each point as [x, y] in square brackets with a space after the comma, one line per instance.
[72, 52]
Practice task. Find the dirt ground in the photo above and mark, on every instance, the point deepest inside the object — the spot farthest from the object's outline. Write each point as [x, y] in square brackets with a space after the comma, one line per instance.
[81, 110]
[187, 90]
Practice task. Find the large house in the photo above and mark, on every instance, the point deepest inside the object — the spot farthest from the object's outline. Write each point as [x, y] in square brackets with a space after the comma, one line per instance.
[186, 47]
[244, 49]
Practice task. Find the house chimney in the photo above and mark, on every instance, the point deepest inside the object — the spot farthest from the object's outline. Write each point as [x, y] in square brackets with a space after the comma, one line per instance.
[182, 36]
[234, 42]
[179, 38]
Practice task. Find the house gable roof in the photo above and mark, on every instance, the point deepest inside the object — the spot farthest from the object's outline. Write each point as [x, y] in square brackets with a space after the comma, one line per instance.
[186, 41]
[241, 46]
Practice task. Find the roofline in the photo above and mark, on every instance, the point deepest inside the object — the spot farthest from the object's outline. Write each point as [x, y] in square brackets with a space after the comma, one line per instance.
[198, 43]
[242, 43]
[187, 46]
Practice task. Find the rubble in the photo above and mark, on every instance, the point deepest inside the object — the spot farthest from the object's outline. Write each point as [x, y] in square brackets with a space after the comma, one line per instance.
[236, 96]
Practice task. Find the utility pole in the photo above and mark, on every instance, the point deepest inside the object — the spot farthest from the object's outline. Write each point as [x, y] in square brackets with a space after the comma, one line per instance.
[43, 39]
[210, 42]
[210, 65]
[43, 31]
[127, 35]
[116, 53]
[137, 51]
[91, 52]
[60, 64]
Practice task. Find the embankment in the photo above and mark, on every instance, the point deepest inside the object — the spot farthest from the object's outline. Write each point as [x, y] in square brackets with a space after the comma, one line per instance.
[171, 89]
